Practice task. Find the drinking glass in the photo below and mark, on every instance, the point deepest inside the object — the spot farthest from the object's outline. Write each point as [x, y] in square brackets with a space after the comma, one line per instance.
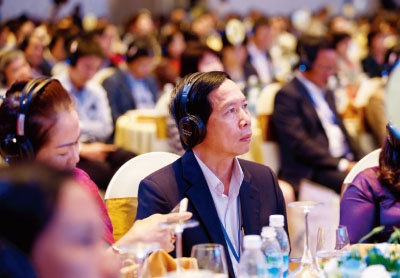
[332, 242]
[135, 254]
[211, 257]
[307, 268]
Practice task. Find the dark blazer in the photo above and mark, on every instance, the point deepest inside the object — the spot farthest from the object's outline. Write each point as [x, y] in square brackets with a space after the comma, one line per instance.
[119, 93]
[304, 146]
[260, 196]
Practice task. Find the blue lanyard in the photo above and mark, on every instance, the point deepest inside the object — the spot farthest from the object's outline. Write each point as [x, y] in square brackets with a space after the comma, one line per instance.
[228, 240]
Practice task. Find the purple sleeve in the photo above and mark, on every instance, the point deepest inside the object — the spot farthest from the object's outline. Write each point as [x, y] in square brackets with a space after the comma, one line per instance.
[357, 208]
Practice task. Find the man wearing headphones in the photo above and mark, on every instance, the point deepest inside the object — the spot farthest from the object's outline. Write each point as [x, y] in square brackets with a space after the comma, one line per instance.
[133, 88]
[228, 196]
[98, 159]
[313, 141]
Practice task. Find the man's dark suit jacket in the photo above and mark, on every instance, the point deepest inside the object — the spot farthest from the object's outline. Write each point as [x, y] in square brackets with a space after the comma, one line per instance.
[119, 93]
[260, 196]
[304, 146]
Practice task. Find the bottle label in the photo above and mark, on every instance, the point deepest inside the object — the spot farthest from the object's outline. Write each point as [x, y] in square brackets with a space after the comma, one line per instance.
[274, 265]
[285, 266]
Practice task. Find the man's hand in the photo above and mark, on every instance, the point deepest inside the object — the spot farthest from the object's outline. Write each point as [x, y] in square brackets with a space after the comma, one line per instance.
[150, 230]
[96, 151]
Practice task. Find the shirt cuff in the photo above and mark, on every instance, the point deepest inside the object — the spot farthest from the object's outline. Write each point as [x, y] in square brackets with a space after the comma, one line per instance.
[343, 165]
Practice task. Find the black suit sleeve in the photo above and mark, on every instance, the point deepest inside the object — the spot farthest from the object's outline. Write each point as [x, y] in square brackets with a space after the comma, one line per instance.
[151, 200]
[292, 134]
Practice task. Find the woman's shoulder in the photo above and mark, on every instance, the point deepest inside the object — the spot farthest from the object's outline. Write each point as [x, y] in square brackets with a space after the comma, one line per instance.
[367, 181]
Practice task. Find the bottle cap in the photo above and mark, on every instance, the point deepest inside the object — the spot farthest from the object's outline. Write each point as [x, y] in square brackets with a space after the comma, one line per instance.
[276, 220]
[252, 242]
[268, 232]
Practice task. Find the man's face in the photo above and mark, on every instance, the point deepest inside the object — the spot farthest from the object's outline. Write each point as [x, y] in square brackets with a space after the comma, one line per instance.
[229, 126]
[34, 51]
[263, 37]
[142, 66]
[18, 69]
[85, 68]
[323, 67]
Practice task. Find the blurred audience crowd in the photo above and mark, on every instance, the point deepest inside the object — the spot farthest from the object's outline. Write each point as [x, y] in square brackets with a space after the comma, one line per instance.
[109, 70]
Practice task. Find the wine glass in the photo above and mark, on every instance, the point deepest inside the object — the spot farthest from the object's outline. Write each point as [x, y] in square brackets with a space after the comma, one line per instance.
[307, 266]
[178, 228]
[211, 257]
[135, 254]
[332, 242]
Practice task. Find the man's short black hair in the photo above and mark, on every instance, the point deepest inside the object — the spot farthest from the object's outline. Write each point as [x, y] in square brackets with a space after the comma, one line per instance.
[143, 47]
[261, 21]
[82, 47]
[308, 48]
[198, 102]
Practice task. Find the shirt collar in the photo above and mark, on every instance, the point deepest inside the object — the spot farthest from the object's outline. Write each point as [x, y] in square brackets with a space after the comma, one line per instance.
[214, 182]
[309, 85]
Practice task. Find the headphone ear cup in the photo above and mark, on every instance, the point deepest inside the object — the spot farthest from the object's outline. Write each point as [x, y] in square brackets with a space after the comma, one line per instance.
[26, 149]
[192, 130]
[16, 148]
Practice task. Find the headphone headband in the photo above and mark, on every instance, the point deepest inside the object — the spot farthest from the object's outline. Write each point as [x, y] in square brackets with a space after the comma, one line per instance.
[185, 92]
[393, 136]
[31, 89]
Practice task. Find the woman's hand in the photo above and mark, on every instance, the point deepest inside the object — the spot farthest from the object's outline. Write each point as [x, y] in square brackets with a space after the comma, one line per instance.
[150, 230]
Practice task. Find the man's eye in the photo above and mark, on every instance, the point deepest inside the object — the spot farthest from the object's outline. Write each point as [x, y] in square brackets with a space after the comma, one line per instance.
[245, 106]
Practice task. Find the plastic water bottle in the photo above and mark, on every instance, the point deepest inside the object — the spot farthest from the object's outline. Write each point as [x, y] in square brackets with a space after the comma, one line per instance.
[252, 262]
[272, 252]
[277, 221]
[252, 94]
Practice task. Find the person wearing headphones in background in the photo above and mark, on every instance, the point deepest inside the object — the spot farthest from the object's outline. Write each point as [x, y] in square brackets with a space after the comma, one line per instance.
[39, 123]
[99, 159]
[134, 88]
[227, 196]
[313, 141]
[33, 47]
[372, 199]
[13, 67]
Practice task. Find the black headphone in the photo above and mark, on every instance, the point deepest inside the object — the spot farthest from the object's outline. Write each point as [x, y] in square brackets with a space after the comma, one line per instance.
[394, 139]
[17, 147]
[191, 127]
[73, 56]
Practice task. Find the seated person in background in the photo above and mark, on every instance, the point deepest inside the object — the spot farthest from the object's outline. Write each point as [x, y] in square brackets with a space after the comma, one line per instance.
[53, 224]
[313, 141]
[33, 48]
[46, 129]
[13, 67]
[173, 46]
[258, 47]
[372, 199]
[134, 88]
[226, 194]
[374, 63]
[98, 159]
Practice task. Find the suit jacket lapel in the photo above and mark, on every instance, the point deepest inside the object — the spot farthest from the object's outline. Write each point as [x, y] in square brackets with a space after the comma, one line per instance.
[200, 198]
[125, 87]
[250, 204]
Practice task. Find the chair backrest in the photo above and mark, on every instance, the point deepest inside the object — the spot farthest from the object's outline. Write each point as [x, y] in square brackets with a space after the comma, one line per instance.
[125, 182]
[370, 160]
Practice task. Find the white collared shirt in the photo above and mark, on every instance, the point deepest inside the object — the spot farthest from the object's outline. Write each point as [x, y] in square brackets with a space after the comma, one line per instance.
[337, 142]
[260, 62]
[93, 109]
[227, 205]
